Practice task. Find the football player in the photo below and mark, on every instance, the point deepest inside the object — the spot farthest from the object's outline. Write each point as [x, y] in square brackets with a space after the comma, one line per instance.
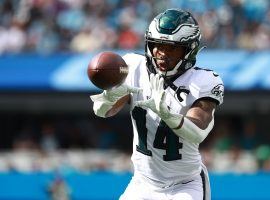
[172, 105]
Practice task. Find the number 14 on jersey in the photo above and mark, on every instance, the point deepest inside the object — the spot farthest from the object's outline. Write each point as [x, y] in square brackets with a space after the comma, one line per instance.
[164, 138]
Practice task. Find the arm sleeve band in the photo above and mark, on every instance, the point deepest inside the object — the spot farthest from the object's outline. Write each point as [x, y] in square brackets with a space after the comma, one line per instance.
[193, 133]
[188, 130]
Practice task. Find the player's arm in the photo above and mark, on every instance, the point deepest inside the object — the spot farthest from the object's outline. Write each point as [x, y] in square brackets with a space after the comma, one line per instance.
[118, 106]
[110, 102]
[197, 123]
[201, 113]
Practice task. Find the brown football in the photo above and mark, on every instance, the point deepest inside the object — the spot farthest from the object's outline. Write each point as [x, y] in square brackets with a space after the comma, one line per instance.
[107, 70]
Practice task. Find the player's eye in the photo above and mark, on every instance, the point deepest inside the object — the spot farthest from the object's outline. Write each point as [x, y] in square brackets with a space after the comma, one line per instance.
[164, 47]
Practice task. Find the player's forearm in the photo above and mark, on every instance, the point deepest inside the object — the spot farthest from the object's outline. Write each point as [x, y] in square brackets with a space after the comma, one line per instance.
[111, 101]
[107, 109]
[191, 132]
[187, 129]
[101, 108]
[119, 105]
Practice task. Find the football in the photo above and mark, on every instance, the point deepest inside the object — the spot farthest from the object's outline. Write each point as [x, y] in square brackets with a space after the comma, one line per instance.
[107, 70]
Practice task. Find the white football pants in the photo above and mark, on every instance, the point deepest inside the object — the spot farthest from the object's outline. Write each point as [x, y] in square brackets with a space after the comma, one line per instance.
[196, 189]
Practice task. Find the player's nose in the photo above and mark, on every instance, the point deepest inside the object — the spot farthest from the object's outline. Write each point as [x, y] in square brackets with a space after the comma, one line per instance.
[161, 52]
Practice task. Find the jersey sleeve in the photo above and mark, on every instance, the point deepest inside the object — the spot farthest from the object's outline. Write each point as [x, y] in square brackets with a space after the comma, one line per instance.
[208, 84]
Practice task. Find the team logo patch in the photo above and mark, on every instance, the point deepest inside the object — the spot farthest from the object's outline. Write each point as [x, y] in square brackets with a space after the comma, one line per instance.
[188, 32]
[218, 90]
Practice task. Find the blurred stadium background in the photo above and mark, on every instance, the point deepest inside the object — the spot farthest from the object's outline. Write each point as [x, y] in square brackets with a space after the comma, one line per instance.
[51, 144]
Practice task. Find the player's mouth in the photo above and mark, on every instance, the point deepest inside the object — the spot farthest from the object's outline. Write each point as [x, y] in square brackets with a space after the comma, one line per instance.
[162, 64]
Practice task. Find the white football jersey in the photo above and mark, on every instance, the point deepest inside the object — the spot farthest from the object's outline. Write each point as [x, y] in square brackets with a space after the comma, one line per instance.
[158, 154]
